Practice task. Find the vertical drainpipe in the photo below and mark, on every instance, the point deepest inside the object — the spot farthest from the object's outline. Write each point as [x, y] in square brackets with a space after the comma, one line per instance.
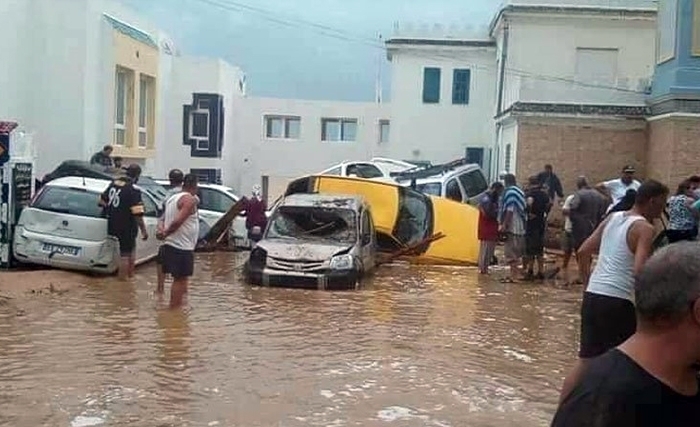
[499, 102]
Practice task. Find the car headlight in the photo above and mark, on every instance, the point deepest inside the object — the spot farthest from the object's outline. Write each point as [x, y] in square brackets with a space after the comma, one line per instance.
[342, 262]
[258, 257]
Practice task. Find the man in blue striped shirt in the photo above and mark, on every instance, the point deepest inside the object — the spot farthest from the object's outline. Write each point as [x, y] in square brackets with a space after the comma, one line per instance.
[512, 220]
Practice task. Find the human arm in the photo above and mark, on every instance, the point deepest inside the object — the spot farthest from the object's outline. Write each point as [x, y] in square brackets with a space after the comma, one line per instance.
[640, 242]
[507, 220]
[558, 189]
[137, 210]
[566, 207]
[186, 206]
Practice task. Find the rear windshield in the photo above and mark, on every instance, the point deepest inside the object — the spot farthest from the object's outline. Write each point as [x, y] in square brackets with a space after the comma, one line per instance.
[73, 201]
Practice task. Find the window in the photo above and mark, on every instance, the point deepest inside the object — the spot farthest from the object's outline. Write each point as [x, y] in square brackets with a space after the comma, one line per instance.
[364, 170]
[431, 85]
[334, 171]
[432, 188]
[212, 200]
[366, 229]
[473, 183]
[122, 104]
[339, 130]
[149, 207]
[452, 191]
[146, 110]
[334, 225]
[597, 66]
[460, 86]
[281, 127]
[71, 201]
[415, 221]
[383, 131]
[199, 129]
[507, 158]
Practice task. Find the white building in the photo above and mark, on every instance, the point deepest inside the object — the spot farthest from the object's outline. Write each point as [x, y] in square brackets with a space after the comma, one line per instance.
[80, 74]
[442, 93]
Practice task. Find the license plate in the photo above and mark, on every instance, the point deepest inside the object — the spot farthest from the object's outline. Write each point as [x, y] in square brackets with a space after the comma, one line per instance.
[58, 249]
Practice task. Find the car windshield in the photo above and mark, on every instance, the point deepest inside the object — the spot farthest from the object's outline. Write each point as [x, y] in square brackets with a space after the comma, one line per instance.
[415, 222]
[330, 224]
[73, 201]
[432, 188]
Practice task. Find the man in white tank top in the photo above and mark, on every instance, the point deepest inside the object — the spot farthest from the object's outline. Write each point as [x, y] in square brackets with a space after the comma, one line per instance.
[624, 242]
[175, 176]
[180, 231]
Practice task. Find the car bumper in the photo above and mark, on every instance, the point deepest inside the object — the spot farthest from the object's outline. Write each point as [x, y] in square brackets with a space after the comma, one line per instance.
[329, 280]
[96, 256]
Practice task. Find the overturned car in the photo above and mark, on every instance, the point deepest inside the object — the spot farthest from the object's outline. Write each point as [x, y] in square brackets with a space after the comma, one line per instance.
[315, 241]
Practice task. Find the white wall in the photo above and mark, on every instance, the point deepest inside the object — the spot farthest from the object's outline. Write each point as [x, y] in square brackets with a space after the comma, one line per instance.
[507, 135]
[541, 63]
[254, 155]
[441, 132]
[185, 76]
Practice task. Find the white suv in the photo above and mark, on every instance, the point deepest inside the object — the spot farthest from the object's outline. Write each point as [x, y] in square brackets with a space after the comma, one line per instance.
[458, 181]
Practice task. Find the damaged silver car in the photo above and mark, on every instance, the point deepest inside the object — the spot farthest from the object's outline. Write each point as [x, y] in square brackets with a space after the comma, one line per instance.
[315, 241]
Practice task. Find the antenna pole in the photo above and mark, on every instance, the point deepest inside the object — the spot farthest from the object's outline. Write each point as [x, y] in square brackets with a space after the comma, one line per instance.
[378, 89]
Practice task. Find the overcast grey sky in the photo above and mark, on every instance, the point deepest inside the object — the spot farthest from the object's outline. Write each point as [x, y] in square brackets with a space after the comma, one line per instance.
[289, 59]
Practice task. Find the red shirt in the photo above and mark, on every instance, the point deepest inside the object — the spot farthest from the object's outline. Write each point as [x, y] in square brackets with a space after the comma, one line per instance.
[488, 219]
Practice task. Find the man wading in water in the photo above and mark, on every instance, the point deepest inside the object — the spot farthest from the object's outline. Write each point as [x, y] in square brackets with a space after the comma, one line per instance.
[180, 230]
[176, 178]
[624, 242]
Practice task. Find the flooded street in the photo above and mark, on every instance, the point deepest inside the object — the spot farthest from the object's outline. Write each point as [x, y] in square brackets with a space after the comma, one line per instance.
[417, 347]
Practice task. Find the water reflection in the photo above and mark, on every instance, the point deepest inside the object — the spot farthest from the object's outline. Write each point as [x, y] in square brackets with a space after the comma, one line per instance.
[417, 345]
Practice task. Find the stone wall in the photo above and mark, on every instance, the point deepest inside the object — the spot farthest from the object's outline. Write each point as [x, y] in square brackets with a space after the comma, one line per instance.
[596, 148]
[673, 150]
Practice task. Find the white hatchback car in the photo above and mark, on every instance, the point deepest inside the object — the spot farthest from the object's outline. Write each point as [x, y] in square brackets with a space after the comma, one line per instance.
[378, 169]
[64, 227]
[214, 201]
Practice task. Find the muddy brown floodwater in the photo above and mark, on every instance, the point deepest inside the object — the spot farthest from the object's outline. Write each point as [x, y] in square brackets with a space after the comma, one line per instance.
[418, 346]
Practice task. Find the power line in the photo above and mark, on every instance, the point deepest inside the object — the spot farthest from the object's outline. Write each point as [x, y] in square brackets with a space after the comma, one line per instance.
[328, 31]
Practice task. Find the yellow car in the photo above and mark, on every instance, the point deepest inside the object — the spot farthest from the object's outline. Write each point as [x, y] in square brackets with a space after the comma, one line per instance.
[405, 217]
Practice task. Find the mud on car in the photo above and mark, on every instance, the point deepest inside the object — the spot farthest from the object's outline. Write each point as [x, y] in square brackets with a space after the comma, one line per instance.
[315, 241]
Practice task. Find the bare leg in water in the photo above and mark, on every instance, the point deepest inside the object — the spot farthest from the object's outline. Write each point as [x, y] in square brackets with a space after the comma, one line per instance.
[124, 268]
[178, 291]
[160, 274]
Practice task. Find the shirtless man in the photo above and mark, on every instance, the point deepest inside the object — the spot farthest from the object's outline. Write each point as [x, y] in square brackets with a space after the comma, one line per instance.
[624, 242]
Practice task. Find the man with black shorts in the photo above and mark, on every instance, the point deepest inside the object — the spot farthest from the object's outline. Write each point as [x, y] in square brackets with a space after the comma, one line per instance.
[538, 204]
[176, 178]
[124, 210]
[180, 231]
[652, 378]
[624, 242]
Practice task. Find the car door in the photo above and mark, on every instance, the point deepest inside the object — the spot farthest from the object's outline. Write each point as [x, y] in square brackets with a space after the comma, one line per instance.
[474, 184]
[367, 240]
[146, 249]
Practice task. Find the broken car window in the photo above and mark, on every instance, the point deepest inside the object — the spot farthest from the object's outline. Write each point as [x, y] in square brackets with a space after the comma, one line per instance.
[337, 225]
[415, 221]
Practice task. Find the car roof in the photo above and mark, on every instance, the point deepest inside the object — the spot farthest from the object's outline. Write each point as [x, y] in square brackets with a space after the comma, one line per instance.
[347, 201]
[90, 184]
[443, 177]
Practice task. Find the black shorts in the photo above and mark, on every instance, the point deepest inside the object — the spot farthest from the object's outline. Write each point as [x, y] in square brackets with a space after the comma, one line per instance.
[606, 322]
[534, 240]
[176, 262]
[127, 241]
[681, 235]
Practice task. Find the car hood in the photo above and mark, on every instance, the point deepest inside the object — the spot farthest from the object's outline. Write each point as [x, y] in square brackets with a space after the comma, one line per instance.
[298, 250]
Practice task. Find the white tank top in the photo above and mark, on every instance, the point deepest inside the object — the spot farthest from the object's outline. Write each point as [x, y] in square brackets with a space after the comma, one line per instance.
[613, 275]
[185, 237]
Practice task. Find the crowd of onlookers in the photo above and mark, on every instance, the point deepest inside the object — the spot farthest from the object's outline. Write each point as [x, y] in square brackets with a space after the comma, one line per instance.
[639, 354]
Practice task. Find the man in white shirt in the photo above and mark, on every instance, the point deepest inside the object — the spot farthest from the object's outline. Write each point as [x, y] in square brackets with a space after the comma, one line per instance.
[567, 239]
[616, 189]
[176, 177]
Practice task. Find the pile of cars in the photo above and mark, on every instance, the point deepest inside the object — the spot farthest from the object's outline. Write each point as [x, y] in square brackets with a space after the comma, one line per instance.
[324, 232]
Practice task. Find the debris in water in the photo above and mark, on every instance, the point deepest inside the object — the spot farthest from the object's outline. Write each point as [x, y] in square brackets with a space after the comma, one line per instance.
[81, 421]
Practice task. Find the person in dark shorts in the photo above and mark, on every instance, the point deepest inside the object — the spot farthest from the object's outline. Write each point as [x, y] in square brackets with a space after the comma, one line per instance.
[624, 242]
[538, 204]
[176, 177]
[124, 210]
[180, 231]
[586, 211]
[651, 379]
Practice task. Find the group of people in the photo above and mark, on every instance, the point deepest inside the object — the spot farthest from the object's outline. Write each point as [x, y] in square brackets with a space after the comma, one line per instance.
[639, 353]
[104, 158]
[518, 218]
[178, 227]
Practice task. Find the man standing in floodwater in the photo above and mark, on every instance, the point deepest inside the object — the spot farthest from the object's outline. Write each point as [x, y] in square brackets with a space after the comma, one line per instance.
[176, 177]
[538, 204]
[124, 209]
[488, 226]
[512, 220]
[586, 210]
[180, 230]
[652, 378]
[624, 242]
[549, 180]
